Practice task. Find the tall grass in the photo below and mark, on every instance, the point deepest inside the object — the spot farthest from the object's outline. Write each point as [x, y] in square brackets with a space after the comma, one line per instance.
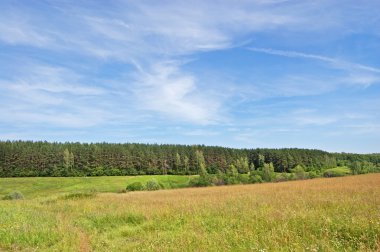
[337, 214]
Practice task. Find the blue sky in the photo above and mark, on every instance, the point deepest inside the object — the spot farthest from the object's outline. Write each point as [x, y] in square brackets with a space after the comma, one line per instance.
[242, 74]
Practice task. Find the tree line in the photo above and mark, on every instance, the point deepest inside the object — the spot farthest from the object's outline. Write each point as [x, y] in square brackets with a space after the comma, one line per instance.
[28, 158]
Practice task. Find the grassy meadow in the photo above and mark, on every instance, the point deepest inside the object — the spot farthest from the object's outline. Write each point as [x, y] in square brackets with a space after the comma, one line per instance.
[327, 214]
[34, 187]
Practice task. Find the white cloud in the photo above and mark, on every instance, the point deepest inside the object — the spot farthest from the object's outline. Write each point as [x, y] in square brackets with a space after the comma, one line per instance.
[336, 63]
[80, 118]
[202, 132]
[372, 128]
[18, 31]
[180, 28]
[53, 80]
[362, 79]
[50, 96]
[169, 91]
[355, 73]
[154, 37]
[148, 36]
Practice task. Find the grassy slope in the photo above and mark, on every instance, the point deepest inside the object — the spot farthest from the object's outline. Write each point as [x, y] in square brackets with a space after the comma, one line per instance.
[333, 214]
[42, 187]
[339, 171]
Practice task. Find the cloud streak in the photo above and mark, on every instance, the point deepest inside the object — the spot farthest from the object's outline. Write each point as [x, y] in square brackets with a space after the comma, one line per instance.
[51, 96]
[356, 73]
[337, 63]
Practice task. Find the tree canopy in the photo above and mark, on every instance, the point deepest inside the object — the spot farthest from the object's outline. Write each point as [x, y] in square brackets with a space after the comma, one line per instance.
[28, 158]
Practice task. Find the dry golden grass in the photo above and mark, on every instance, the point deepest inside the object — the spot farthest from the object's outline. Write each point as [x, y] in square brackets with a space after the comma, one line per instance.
[337, 214]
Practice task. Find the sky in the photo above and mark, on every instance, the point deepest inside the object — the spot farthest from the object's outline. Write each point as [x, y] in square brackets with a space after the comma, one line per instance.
[242, 74]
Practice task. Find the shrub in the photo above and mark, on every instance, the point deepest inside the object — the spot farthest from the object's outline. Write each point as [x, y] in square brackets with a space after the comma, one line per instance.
[16, 195]
[284, 177]
[219, 178]
[231, 180]
[255, 178]
[99, 171]
[136, 186]
[203, 180]
[299, 172]
[152, 185]
[313, 174]
[113, 172]
[218, 181]
[243, 178]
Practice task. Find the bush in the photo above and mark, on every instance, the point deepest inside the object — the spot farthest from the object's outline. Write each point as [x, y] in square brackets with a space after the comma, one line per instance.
[152, 185]
[136, 186]
[313, 174]
[299, 172]
[243, 178]
[218, 181]
[284, 177]
[16, 195]
[232, 180]
[99, 171]
[201, 181]
[255, 178]
[112, 172]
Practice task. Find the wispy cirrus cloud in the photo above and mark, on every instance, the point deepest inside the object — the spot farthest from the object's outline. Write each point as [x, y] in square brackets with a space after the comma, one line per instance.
[202, 132]
[304, 117]
[43, 78]
[147, 36]
[353, 73]
[167, 90]
[50, 95]
[337, 63]
[176, 63]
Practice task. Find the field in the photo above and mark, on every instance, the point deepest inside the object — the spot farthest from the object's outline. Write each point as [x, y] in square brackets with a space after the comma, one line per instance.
[329, 214]
[42, 187]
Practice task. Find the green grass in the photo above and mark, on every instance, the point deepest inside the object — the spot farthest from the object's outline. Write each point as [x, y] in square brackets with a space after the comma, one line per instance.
[48, 186]
[337, 172]
[337, 214]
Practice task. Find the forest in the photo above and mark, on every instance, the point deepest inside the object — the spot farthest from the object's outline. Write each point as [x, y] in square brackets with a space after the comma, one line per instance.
[32, 159]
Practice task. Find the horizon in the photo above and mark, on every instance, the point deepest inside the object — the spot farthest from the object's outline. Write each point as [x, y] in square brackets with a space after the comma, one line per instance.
[176, 144]
[243, 75]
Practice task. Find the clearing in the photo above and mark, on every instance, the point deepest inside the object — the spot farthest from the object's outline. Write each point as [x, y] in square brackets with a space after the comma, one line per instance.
[328, 214]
